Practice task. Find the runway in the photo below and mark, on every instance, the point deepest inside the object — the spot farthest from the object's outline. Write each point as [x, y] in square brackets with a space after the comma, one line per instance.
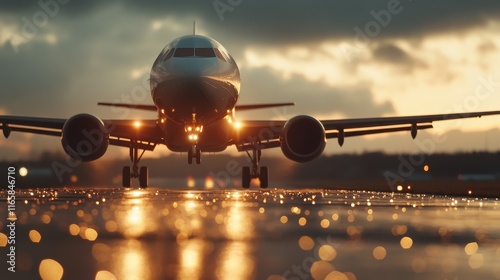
[256, 234]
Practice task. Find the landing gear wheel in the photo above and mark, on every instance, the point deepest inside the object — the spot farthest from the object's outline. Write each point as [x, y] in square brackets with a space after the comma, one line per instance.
[126, 176]
[190, 156]
[264, 177]
[198, 156]
[245, 177]
[143, 177]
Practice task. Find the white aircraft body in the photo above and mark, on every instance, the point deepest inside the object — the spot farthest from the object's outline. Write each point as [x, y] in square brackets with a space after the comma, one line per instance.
[195, 85]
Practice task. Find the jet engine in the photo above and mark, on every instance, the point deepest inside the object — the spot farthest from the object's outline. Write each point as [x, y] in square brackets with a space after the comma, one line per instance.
[303, 138]
[84, 137]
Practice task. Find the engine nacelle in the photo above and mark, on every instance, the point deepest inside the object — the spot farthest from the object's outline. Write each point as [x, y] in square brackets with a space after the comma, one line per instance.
[303, 138]
[84, 137]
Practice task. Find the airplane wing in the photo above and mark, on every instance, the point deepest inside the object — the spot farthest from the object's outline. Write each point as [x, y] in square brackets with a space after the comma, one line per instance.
[148, 107]
[121, 132]
[267, 133]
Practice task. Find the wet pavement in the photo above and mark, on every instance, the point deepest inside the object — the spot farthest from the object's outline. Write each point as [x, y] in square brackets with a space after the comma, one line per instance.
[257, 234]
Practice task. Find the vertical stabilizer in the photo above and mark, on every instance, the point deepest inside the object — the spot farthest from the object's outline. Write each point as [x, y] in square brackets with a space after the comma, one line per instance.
[194, 27]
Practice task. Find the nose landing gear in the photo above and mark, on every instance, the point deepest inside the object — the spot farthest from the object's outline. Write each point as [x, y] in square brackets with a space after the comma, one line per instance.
[195, 153]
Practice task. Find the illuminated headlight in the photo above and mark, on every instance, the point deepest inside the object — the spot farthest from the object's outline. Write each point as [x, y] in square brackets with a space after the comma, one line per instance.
[193, 137]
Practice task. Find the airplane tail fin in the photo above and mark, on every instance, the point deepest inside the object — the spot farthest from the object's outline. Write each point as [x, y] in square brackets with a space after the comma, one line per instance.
[131, 106]
[261, 106]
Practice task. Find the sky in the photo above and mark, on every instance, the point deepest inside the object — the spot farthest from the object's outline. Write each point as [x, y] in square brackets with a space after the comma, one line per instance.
[334, 59]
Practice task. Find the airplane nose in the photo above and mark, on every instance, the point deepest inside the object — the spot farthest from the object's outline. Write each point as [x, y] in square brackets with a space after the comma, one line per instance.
[194, 70]
[181, 97]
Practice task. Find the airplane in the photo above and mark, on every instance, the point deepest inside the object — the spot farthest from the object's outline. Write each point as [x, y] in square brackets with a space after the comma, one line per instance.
[195, 85]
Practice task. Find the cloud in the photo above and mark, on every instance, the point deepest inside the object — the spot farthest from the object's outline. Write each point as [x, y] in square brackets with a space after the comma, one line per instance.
[393, 54]
[318, 99]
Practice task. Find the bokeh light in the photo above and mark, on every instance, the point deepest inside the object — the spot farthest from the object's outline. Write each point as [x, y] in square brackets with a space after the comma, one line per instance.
[306, 243]
[50, 269]
[327, 253]
[379, 253]
[406, 242]
[35, 236]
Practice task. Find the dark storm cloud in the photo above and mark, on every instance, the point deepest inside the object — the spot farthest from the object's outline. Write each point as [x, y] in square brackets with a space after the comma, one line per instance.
[298, 21]
[390, 53]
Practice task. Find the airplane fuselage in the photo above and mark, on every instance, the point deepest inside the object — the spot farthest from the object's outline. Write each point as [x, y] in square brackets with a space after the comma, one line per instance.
[195, 85]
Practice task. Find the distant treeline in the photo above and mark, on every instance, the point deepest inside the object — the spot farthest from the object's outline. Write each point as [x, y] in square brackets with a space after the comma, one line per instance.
[56, 170]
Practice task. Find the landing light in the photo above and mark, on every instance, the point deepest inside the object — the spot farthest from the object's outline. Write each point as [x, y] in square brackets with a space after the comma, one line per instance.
[237, 125]
[137, 124]
[193, 137]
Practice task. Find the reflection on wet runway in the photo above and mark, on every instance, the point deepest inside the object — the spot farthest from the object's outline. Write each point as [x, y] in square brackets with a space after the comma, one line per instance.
[232, 234]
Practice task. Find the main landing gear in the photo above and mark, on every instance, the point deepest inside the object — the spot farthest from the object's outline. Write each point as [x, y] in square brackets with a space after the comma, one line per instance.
[255, 172]
[135, 172]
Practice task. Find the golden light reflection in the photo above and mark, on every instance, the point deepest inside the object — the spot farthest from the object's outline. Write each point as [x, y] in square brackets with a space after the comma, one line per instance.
[131, 262]
[239, 225]
[471, 248]
[418, 265]
[320, 269]
[91, 234]
[191, 183]
[45, 219]
[295, 210]
[74, 229]
[399, 230]
[134, 222]
[336, 275]
[101, 252]
[209, 182]
[476, 261]
[3, 240]
[284, 219]
[191, 260]
[35, 236]
[105, 275]
[50, 269]
[236, 262]
[306, 243]
[406, 242]
[325, 223]
[302, 221]
[379, 253]
[111, 226]
[327, 253]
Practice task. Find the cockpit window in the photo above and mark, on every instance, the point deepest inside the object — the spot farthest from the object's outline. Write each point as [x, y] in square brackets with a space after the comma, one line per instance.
[199, 52]
[181, 52]
[204, 52]
[169, 54]
[219, 54]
